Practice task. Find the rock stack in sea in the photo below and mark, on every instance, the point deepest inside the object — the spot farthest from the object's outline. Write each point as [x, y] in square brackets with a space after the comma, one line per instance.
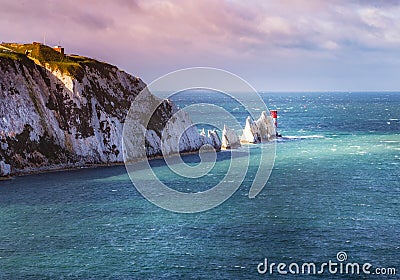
[260, 130]
[230, 140]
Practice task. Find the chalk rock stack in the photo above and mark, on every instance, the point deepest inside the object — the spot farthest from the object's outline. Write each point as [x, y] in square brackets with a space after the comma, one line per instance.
[211, 138]
[260, 130]
[230, 140]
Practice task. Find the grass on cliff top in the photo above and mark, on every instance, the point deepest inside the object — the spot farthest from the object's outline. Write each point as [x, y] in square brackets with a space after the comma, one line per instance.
[12, 55]
[42, 54]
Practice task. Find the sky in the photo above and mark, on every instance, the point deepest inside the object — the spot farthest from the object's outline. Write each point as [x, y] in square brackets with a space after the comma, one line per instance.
[296, 45]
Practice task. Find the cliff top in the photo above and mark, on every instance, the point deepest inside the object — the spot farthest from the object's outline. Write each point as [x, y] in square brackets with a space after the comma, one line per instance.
[45, 55]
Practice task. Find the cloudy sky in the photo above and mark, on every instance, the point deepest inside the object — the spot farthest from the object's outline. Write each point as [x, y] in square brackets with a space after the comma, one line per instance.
[296, 45]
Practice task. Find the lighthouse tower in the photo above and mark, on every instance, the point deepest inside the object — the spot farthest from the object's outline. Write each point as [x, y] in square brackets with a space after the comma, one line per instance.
[274, 116]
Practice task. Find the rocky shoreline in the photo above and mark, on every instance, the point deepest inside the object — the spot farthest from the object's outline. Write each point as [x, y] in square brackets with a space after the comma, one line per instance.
[77, 166]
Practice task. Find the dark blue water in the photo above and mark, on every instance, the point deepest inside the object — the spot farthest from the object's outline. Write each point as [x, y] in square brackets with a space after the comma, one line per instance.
[335, 187]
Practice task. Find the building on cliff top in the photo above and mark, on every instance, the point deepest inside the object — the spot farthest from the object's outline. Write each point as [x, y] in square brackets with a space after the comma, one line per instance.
[59, 49]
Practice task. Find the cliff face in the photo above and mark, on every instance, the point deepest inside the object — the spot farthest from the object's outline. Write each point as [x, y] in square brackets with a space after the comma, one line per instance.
[69, 112]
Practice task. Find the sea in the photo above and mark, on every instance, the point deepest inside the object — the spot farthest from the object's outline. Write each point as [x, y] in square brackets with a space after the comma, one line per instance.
[332, 202]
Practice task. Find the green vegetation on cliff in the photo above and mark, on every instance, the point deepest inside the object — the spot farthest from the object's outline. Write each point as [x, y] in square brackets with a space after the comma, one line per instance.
[72, 65]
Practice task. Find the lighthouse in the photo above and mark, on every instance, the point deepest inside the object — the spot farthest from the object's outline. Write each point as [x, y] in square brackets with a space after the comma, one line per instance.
[274, 116]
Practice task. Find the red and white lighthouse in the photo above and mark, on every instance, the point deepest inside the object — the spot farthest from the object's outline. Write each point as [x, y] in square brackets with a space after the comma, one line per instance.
[274, 116]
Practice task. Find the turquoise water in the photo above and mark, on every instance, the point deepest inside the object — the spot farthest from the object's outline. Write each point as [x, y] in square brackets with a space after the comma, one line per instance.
[335, 187]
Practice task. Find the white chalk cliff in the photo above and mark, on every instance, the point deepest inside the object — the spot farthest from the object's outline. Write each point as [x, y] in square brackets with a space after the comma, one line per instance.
[71, 112]
[179, 135]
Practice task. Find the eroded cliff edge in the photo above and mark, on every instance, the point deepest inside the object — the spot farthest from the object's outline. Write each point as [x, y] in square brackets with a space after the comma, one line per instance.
[61, 111]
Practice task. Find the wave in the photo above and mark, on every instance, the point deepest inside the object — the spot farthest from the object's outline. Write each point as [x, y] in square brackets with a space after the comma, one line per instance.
[301, 137]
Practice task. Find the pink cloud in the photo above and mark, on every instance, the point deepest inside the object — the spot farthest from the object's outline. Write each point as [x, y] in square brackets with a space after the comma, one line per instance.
[166, 35]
